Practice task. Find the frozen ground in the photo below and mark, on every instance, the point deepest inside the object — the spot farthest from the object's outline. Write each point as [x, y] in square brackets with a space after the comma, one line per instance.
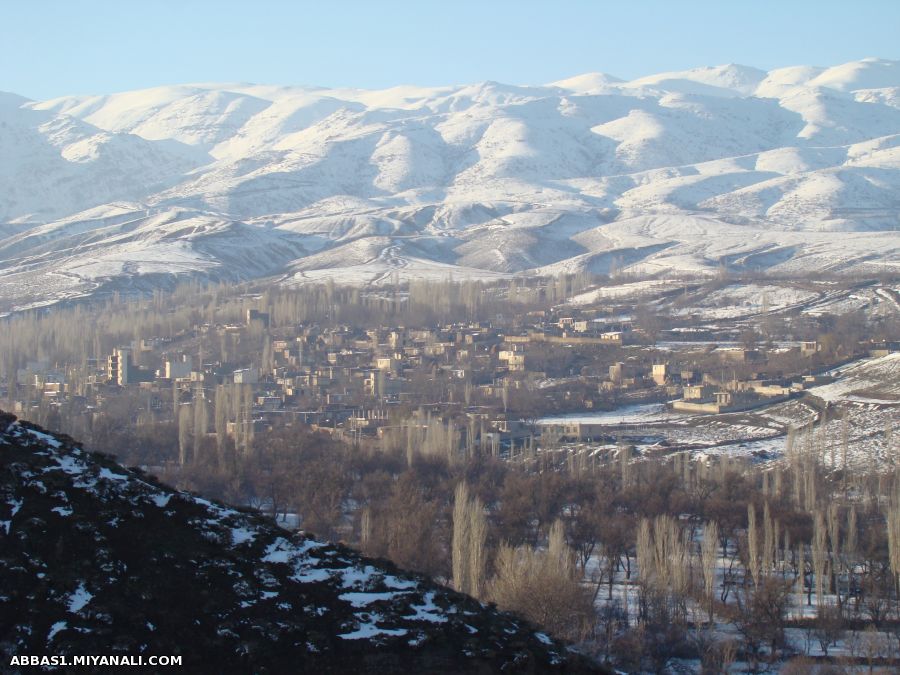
[874, 380]
[636, 290]
[740, 300]
[644, 413]
[863, 414]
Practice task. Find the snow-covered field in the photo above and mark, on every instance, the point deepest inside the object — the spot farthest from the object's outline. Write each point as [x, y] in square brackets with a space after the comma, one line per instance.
[747, 299]
[864, 417]
[869, 380]
[864, 414]
[644, 413]
[789, 170]
[652, 423]
[636, 290]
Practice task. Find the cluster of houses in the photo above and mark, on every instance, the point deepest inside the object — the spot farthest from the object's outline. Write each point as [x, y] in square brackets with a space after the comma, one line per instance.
[347, 379]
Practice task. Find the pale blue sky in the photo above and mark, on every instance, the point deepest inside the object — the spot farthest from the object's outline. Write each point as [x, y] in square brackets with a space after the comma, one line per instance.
[51, 48]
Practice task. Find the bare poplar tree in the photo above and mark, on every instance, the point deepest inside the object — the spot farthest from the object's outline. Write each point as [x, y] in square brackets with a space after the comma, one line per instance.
[477, 541]
[834, 535]
[544, 586]
[851, 540]
[893, 528]
[460, 543]
[365, 529]
[221, 417]
[664, 556]
[247, 410]
[185, 423]
[468, 545]
[809, 478]
[889, 440]
[200, 419]
[644, 551]
[845, 441]
[801, 575]
[819, 557]
[624, 464]
[709, 556]
[752, 544]
[769, 540]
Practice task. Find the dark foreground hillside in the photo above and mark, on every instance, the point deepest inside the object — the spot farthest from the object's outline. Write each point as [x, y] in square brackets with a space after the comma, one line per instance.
[96, 559]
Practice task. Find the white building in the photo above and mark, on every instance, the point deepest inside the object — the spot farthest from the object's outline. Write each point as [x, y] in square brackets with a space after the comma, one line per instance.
[176, 369]
[246, 376]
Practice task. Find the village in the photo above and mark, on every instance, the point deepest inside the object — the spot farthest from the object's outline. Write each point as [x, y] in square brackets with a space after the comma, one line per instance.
[504, 385]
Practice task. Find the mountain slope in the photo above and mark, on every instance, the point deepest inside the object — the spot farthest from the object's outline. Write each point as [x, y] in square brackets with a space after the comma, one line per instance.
[97, 559]
[54, 165]
[799, 149]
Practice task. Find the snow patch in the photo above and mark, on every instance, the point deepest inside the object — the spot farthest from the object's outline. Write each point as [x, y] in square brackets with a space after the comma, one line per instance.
[241, 535]
[79, 599]
[364, 599]
[56, 628]
[369, 630]
[427, 611]
[161, 500]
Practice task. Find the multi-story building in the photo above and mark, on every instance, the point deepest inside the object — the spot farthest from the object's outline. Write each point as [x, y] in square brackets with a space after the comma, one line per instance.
[118, 365]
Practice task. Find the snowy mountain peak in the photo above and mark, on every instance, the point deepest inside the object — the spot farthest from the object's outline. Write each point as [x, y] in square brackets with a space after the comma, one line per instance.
[587, 83]
[869, 73]
[729, 79]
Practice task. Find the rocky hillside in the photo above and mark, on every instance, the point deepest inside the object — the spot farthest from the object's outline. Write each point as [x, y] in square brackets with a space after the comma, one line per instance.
[98, 559]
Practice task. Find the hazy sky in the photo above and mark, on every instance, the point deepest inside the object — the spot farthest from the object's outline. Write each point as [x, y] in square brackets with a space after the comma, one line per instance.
[50, 48]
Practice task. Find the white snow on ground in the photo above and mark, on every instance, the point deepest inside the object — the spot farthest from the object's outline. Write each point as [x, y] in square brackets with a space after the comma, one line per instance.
[367, 631]
[634, 290]
[46, 438]
[746, 299]
[14, 506]
[109, 475]
[280, 551]
[311, 576]
[79, 599]
[161, 500]
[354, 577]
[359, 600]
[428, 611]
[398, 584]
[643, 413]
[56, 628]
[70, 465]
[844, 304]
[872, 379]
[241, 535]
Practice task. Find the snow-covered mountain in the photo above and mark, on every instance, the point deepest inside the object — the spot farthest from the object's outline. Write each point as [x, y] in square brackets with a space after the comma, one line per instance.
[681, 170]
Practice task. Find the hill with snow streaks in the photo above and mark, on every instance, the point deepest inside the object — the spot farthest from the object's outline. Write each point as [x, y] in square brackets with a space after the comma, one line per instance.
[99, 559]
[789, 170]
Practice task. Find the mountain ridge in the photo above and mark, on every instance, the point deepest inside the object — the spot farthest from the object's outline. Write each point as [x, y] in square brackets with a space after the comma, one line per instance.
[789, 157]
